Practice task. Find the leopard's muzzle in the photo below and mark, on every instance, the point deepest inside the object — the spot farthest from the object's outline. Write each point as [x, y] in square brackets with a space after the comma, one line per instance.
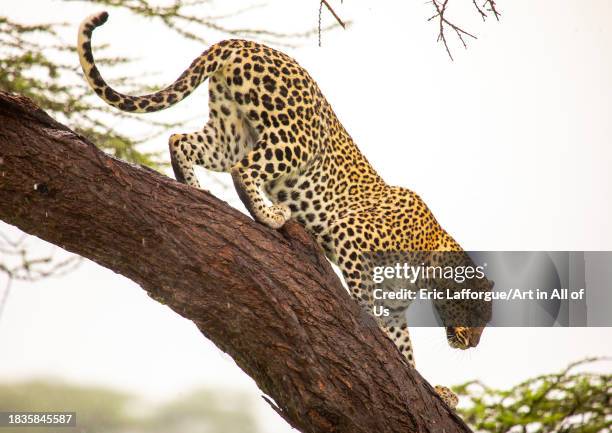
[462, 337]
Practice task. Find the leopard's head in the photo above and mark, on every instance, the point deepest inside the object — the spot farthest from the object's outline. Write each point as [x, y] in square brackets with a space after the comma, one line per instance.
[463, 337]
[465, 320]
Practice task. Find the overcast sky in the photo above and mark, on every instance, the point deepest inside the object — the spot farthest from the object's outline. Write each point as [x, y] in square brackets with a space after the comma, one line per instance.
[510, 146]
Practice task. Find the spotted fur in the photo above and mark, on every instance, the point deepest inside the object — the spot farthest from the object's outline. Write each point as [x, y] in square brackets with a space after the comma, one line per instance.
[273, 129]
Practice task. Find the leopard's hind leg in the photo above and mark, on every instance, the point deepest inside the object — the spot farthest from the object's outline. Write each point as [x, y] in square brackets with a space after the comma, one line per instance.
[198, 148]
[225, 139]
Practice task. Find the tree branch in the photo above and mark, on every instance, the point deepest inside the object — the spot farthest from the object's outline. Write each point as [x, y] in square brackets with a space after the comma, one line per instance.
[269, 299]
[333, 12]
[440, 7]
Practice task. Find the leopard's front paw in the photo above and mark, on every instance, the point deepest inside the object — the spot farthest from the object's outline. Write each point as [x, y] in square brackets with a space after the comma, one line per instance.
[448, 396]
[276, 216]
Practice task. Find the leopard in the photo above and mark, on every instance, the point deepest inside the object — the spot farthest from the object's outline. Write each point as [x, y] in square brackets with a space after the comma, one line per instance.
[290, 157]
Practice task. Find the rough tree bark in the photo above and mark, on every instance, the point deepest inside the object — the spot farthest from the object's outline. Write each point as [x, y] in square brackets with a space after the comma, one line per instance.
[269, 299]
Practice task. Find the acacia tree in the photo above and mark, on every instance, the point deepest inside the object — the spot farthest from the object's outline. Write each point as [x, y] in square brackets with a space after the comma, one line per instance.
[570, 401]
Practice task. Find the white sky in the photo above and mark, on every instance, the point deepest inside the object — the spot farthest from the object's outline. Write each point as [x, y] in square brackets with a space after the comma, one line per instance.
[510, 146]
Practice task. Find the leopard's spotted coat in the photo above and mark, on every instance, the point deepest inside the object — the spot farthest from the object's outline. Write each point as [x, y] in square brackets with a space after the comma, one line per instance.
[273, 129]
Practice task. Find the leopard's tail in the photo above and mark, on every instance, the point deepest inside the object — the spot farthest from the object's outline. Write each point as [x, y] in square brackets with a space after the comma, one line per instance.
[202, 67]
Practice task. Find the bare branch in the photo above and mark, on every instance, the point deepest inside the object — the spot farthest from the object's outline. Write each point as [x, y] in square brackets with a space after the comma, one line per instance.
[493, 8]
[482, 13]
[20, 264]
[333, 12]
[488, 6]
[440, 6]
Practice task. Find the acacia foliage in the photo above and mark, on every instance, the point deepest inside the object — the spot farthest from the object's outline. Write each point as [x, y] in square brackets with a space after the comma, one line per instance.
[570, 401]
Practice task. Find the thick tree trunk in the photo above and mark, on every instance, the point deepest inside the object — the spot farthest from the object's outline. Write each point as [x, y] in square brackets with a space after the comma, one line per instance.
[269, 299]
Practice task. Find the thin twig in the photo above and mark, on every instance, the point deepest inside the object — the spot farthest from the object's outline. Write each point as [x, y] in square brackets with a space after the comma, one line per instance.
[492, 7]
[27, 268]
[443, 21]
[320, 16]
[333, 12]
[482, 13]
